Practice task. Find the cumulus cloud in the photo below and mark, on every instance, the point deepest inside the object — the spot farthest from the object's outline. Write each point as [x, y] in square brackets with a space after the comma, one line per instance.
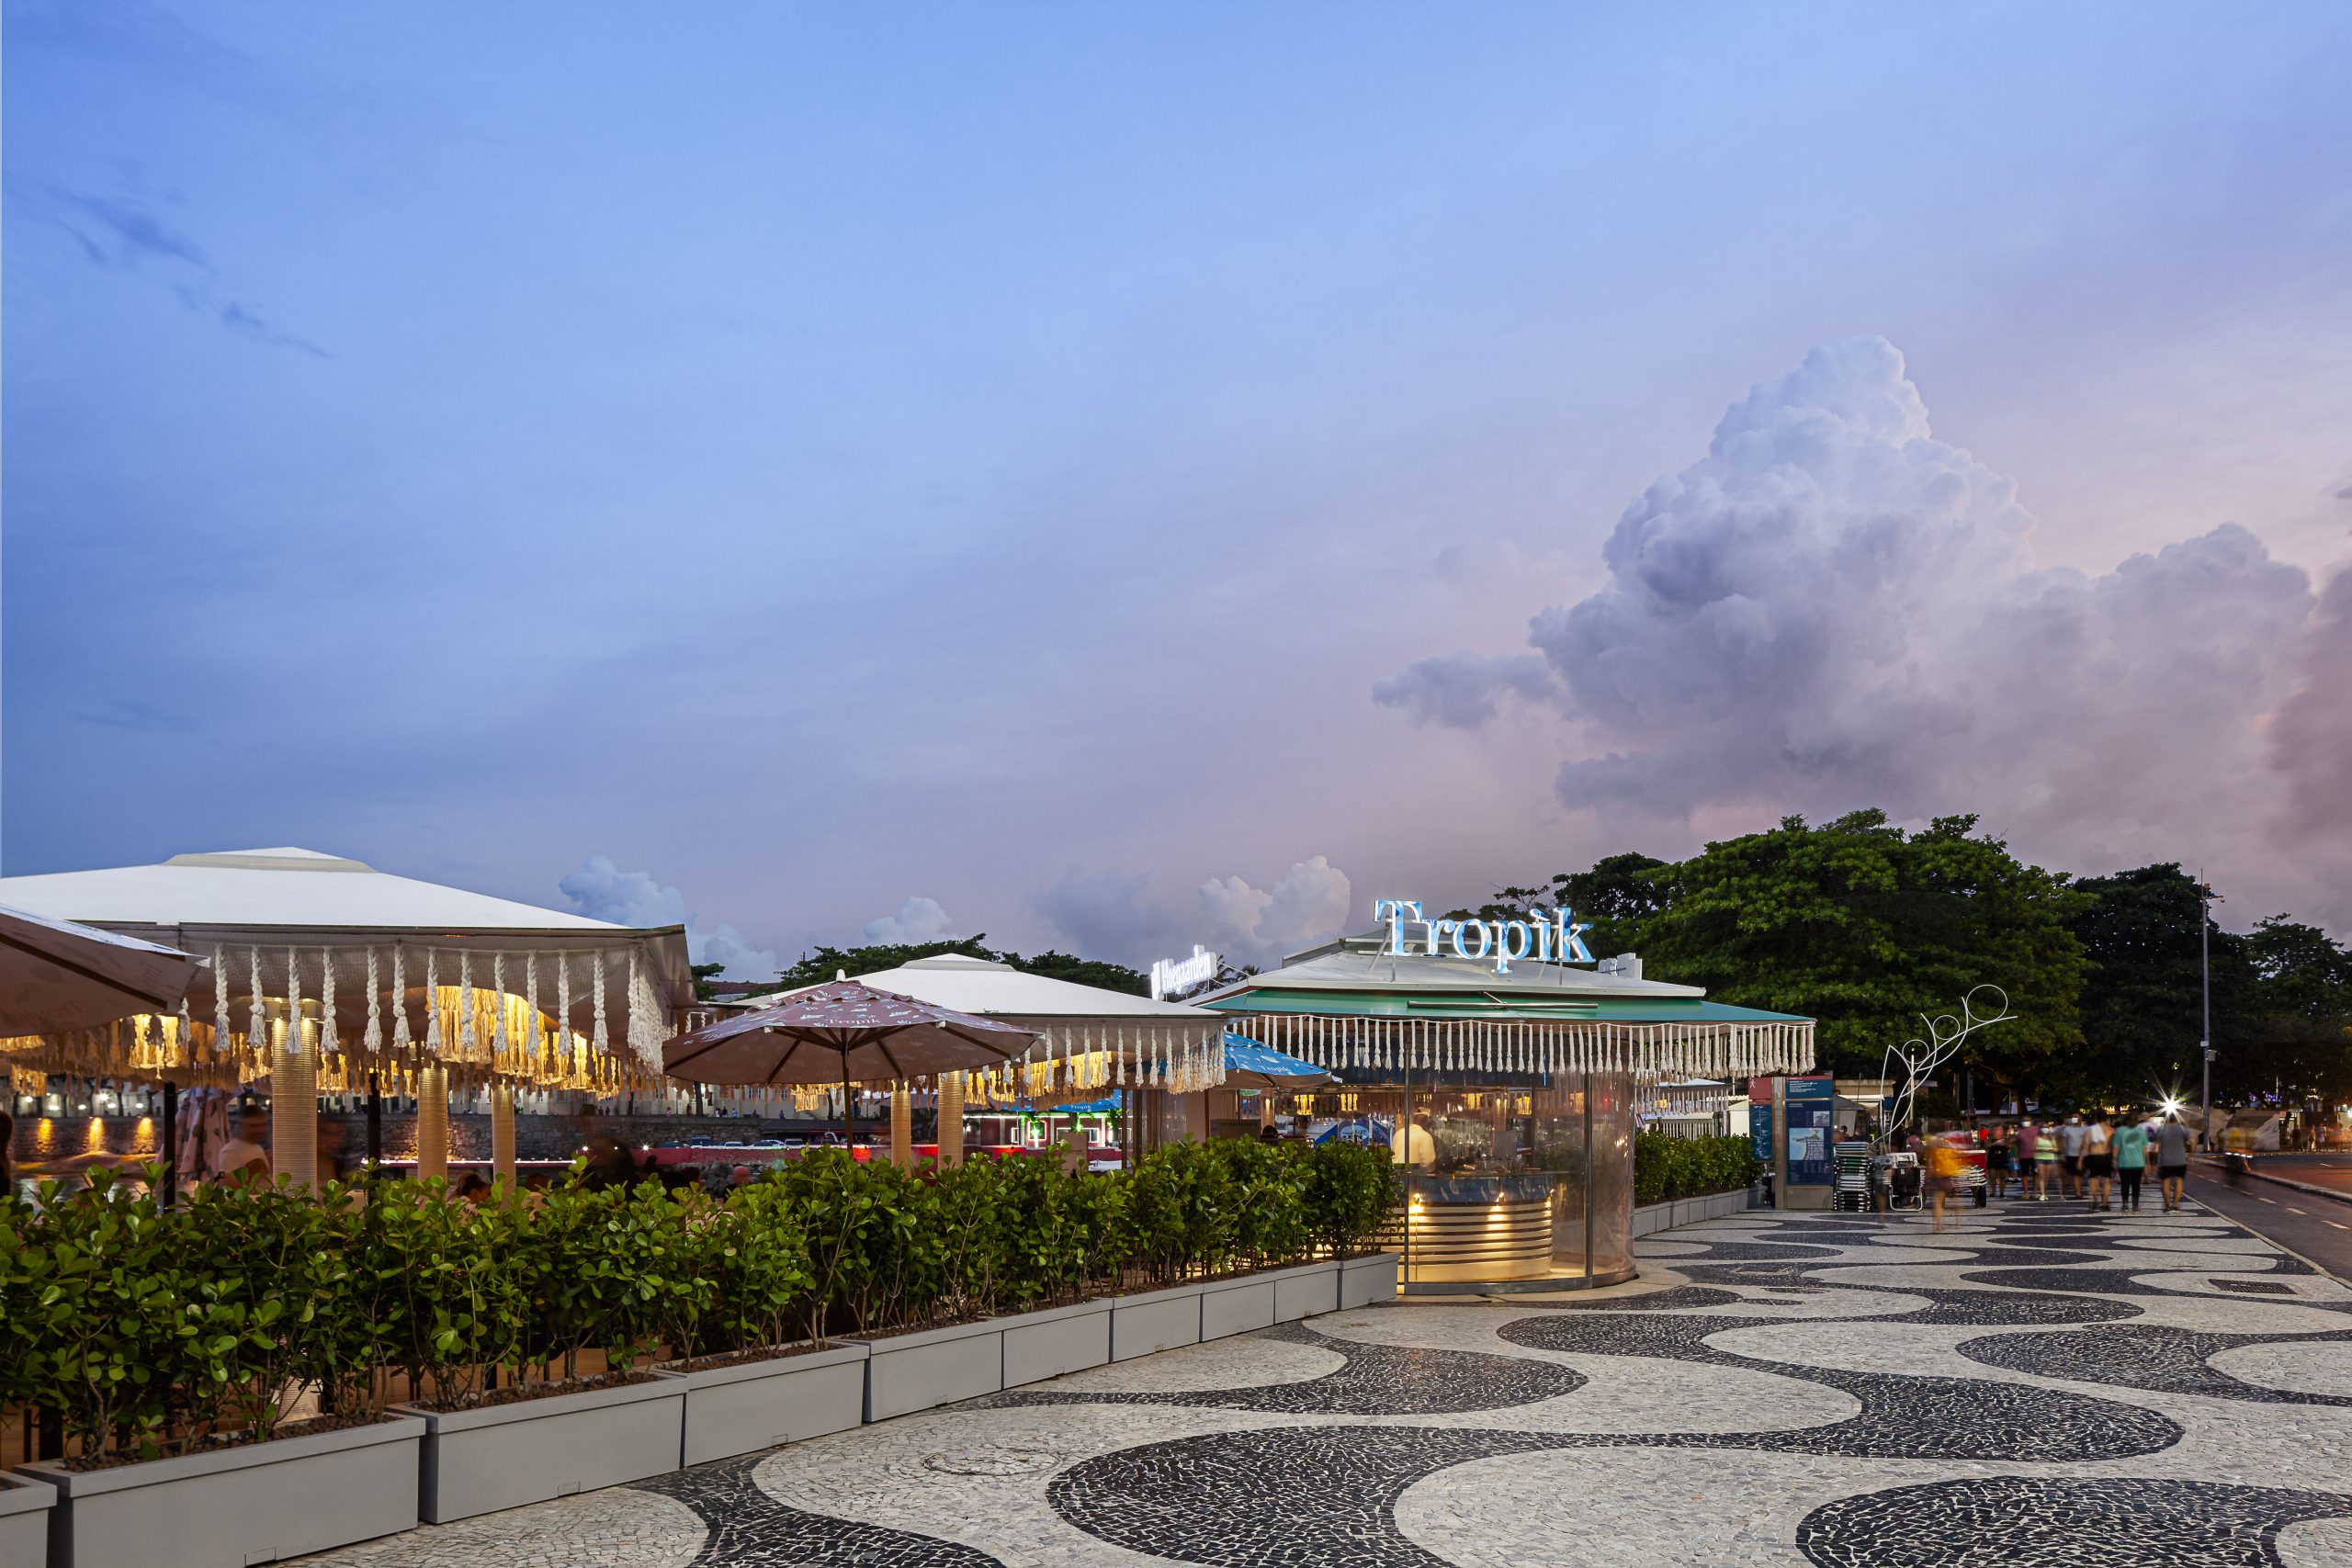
[918, 919]
[2312, 741]
[1834, 607]
[1311, 902]
[603, 891]
[1458, 690]
[1106, 914]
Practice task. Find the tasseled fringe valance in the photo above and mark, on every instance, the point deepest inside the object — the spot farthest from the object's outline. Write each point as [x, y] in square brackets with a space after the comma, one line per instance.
[330, 1003]
[1649, 1051]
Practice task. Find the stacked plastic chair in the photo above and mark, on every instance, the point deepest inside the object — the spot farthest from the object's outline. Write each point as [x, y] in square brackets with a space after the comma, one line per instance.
[1852, 1165]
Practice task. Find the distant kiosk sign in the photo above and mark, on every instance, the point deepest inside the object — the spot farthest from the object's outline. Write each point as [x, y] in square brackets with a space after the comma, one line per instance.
[1556, 938]
[1174, 977]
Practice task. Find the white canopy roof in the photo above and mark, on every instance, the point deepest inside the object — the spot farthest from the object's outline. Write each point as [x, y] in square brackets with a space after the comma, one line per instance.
[999, 990]
[277, 889]
[279, 917]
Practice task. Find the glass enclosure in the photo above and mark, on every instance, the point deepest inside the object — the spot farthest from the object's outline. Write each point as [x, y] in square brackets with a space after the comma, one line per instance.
[1508, 1177]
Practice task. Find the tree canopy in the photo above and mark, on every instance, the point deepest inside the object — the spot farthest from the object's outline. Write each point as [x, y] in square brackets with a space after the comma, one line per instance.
[1870, 930]
[1864, 927]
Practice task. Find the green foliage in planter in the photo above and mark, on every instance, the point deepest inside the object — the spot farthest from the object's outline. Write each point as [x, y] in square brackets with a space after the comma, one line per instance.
[148, 1330]
[1349, 1189]
[1666, 1166]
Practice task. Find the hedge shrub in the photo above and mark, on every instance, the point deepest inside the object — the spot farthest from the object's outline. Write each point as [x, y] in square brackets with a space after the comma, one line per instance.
[1666, 1166]
[149, 1331]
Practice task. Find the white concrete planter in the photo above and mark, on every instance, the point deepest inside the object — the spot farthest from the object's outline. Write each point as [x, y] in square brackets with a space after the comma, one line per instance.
[24, 1521]
[745, 1406]
[1363, 1281]
[1236, 1306]
[1652, 1218]
[227, 1507]
[1155, 1320]
[906, 1372]
[1041, 1345]
[530, 1450]
[1307, 1291]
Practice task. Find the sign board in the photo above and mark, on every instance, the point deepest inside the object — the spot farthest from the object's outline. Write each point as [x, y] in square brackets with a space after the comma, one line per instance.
[1556, 938]
[1173, 977]
[1811, 1108]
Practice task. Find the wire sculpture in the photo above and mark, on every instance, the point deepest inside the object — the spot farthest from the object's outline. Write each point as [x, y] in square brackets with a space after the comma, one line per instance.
[1946, 1032]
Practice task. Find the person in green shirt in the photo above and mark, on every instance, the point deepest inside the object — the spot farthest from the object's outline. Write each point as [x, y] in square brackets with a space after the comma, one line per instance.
[2130, 1146]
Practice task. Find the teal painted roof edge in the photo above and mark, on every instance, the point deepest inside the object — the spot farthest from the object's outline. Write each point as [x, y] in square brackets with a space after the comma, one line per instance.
[1456, 1004]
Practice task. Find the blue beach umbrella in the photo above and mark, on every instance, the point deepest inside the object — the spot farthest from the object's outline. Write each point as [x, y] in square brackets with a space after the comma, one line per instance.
[1248, 1065]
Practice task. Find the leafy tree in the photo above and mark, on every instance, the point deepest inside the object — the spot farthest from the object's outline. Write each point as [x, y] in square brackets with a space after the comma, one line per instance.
[2141, 1017]
[1865, 929]
[1083, 971]
[1616, 896]
[2295, 1037]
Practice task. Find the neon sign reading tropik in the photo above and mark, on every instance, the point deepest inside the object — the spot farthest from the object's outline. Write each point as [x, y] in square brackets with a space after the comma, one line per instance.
[1556, 938]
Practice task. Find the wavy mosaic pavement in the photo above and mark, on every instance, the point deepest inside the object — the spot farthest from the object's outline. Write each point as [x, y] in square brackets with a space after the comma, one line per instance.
[2046, 1387]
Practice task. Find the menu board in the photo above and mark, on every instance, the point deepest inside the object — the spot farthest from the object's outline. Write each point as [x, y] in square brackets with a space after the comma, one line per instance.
[1812, 1109]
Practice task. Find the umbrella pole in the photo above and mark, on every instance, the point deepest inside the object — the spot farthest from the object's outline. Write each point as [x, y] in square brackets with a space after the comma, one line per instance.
[849, 1109]
[375, 1117]
[171, 1155]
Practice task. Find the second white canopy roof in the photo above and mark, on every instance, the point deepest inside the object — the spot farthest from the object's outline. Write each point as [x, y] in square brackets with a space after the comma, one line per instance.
[992, 989]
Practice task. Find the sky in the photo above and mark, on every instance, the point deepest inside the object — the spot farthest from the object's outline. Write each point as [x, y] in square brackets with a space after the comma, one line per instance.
[1119, 477]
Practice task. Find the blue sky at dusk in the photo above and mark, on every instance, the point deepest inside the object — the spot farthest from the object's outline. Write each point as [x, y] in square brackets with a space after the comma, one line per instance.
[1120, 476]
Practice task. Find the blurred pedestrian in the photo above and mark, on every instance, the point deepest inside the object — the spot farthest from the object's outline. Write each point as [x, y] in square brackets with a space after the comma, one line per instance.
[2131, 1163]
[2045, 1161]
[1943, 1163]
[2172, 1160]
[2071, 1139]
[2099, 1161]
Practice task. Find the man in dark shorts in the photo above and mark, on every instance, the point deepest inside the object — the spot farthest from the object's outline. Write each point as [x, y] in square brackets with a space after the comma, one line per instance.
[2071, 1139]
[2099, 1161]
[2171, 1143]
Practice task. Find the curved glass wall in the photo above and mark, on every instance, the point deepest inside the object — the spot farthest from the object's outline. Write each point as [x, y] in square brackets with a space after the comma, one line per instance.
[1522, 1178]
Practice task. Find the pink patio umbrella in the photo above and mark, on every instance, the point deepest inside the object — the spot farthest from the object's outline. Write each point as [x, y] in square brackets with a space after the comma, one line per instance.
[56, 977]
[834, 1034]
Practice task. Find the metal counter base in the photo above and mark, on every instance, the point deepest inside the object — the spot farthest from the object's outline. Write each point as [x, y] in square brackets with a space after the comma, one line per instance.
[1514, 1287]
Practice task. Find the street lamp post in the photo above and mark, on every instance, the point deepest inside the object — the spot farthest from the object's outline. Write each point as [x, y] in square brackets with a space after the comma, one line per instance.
[2205, 977]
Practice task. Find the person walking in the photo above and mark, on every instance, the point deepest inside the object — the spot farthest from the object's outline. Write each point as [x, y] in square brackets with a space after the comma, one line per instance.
[1943, 1163]
[2172, 1160]
[2098, 1162]
[2071, 1139]
[2045, 1161]
[2028, 1133]
[1997, 1157]
[2131, 1163]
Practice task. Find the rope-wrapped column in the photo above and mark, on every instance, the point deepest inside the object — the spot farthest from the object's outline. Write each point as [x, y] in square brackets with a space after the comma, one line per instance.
[951, 1118]
[501, 1134]
[432, 1121]
[902, 1126]
[294, 1110]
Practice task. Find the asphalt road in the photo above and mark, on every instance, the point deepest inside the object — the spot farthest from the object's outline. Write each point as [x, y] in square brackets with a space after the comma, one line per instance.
[2319, 1229]
[2330, 1170]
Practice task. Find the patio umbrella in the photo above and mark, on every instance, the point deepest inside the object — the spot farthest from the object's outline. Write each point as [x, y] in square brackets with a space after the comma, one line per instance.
[835, 1033]
[1248, 1065]
[56, 977]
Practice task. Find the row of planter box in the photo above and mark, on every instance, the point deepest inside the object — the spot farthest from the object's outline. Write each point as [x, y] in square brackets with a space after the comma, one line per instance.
[266, 1501]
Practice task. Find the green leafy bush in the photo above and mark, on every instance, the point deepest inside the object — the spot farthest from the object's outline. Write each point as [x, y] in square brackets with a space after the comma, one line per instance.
[1666, 1166]
[144, 1330]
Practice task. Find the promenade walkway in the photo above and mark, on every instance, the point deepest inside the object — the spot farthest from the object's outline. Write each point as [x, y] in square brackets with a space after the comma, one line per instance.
[2047, 1388]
